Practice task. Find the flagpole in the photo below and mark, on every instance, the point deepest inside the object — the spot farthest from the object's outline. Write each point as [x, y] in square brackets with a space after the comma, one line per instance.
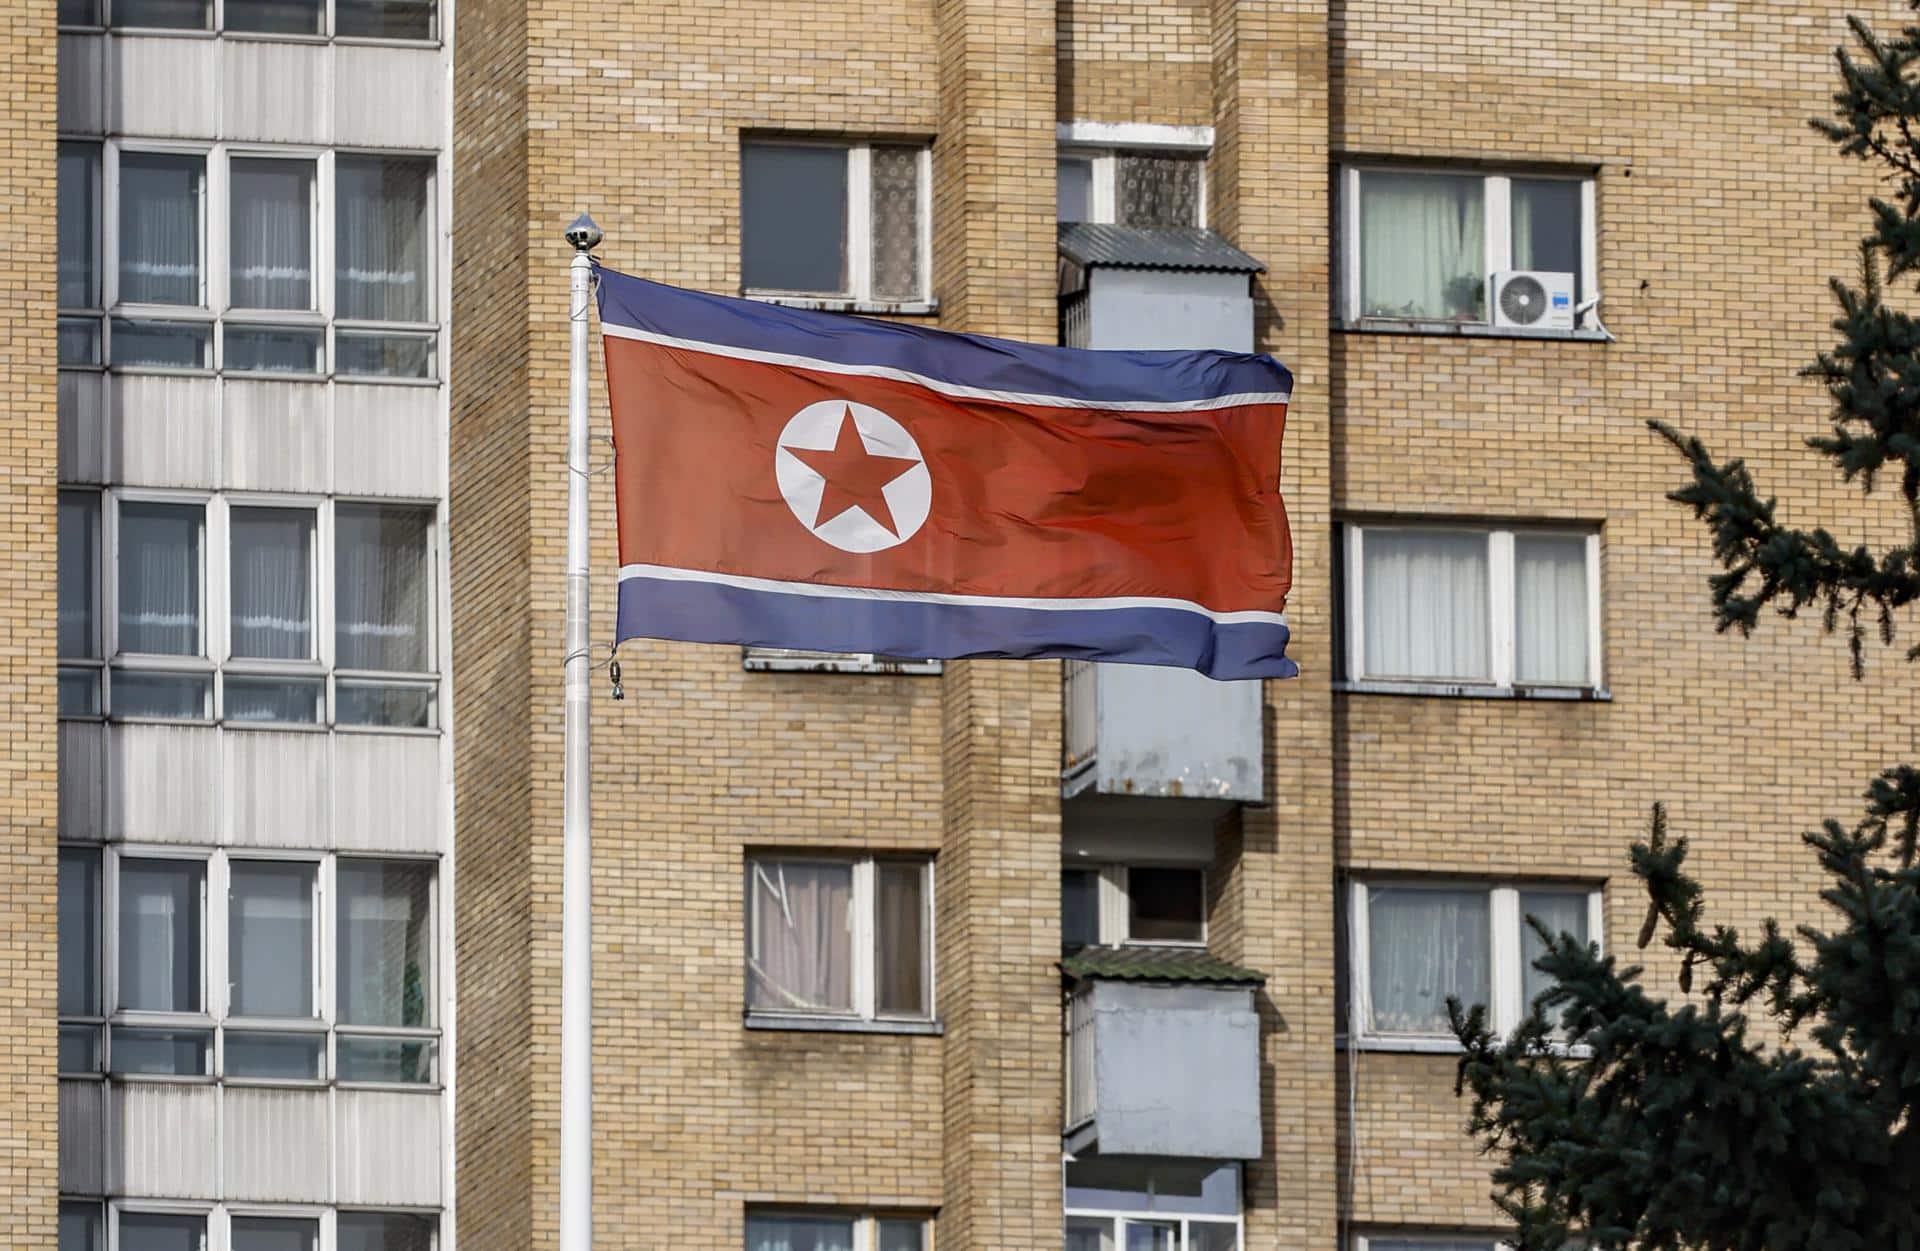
[576, 904]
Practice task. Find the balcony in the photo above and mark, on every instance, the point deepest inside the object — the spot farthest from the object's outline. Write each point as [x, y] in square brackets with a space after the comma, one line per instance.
[1158, 732]
[1162, 1054]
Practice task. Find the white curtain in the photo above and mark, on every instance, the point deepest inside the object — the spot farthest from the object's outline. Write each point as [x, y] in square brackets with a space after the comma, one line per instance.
[160, 228]
[271, 229]
[1424, 604]
[159, 558]
[380, 249]
[384, 959]
[382, 584]
[272, 583]
[799, 1233]
[1562, 912]
[160, 935]
[1550, 609]
[1422, 246]
[800, 937]
[1422, 946]
[270, 946]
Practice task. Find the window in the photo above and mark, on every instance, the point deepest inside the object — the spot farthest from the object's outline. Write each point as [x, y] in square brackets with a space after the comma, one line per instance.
[272, 1233]
[276, 17]
[383, 619]
[161, 259]
[162, 975]
[161, 555]
[383, 1231]
[840, 936]
[1413, 944]
[797, 660]
[1132, 188]
[270, 268]
[271, 594]
[1144, 1204]
[410, 20]
[81, 1009]
[79, 601]
[835, 221]
[1420, 244]
[82, 1227]
[1145, 904]
[383, 278]
[79, 245]
[1471, 607]
[272, 971]
[161, 1231]
[384, 964]
[801, 1230]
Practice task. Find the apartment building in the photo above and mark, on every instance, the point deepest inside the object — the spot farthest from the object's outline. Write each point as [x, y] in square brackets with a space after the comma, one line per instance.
[254, 984]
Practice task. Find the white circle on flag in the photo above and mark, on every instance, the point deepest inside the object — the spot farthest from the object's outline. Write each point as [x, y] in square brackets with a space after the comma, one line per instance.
[853, 476]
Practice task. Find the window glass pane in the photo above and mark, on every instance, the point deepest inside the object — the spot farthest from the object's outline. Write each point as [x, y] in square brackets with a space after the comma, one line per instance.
[291, 1056]
[275, 17]
[274, 349]
[382, 1231]
[1089, 1233]
[79, 932]
[162, 344]
[903, 1235]
[1546, 227]
[172, 1052]
[79, 692]
[381, 270]
[164, 696]
[1212, 1236]
[79, 574]
[162, 1231]
[160, 578]
[163, 14]
[385, 960]
[900, 938]
[160, 934]
[382, 583]
[1166, 905]
[288, 701]
[1422, 246]
[383, 19]
[270, 226]
[79, 210]
[272, 583]
[160, 220]
[1157, 190]
[1424, 602]
[270, 938]
[79, 341]
[82, 1227]
[1550, 609]
[381, 703]
[1422, 946]
[1562, 912]
[793, 218]
[79, 1049]
[374, 354]
[1150, 1236]
[799, 1233]
[408, 1060]
[1074, 190]
[262, 1233]
[896, 222]
[1079, 908]
[799, 936]
[79, 13]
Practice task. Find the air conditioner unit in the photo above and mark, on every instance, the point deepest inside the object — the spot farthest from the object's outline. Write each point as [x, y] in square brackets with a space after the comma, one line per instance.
[1531, 300]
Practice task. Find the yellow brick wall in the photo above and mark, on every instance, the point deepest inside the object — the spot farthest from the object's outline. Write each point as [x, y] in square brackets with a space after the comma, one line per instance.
[1135, 61]
[29, 1116]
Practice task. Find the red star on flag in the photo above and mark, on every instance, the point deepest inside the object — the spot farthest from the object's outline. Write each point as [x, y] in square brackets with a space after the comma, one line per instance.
[853, 476]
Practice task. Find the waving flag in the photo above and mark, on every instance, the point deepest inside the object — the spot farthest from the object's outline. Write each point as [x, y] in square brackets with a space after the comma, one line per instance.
[806, 480]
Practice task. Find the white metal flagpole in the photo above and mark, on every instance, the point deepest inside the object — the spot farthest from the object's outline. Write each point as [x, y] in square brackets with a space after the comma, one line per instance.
[576, 879]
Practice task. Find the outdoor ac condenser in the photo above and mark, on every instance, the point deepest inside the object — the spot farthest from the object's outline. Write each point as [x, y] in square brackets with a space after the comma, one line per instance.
[1531, 300]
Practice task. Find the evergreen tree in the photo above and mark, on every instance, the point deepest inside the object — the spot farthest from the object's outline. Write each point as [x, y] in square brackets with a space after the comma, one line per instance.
[1675, 1128]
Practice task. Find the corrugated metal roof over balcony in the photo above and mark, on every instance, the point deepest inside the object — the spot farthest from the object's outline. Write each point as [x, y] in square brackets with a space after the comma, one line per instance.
[1156, 964]
[1100, 244]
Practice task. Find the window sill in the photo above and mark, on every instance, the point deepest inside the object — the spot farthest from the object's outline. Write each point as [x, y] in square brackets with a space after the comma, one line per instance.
[841, 1025]
[1469, 330]
[1436, 1047]
[841, 304]
[1464, 690]
[414, 1088]
[839, 664]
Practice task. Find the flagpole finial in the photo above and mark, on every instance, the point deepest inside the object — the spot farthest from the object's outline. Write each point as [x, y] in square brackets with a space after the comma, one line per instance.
[583, 234]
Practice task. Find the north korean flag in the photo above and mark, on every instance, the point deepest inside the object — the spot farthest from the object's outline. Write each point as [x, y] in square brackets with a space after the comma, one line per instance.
[788, 478]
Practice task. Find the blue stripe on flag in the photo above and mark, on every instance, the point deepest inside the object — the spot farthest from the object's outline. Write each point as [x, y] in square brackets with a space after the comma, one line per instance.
[716, 613]
[966, 360]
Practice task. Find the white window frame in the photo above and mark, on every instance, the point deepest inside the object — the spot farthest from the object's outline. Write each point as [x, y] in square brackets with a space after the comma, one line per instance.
[865, 917]
[1101, 144]
[1183, 1220]
[217, 17]
[1505, 919]
[212, 946]
[214, 310]
[1497, 219]
[212, 1237]
[859, 226]
[219, 1217]
[866, 1224]
[321, 1022]
[433, 1034]
[1501, 610]
[798, 660]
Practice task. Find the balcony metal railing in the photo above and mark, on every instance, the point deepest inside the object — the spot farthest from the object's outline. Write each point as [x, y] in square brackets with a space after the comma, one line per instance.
[1081, 1088]
[1082, 695]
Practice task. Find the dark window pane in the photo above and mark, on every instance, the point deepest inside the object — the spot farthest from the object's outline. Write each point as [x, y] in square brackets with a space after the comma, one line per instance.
[381, 703]
[900, 939]
[1546, 227]
[1079, 908]
[381, 261]
[292, 1056]
[163, 14]
[160, 224]
[160, 901]
[383, 19]
[1075, 190]
[162, 344]
[273, 1233]
[82, 1227]
[79, 932]
[385, 958]
[175, 1052]
[80, 341]
[408, 1060]
[275, 17]
[383, 1231]
[383, 583]
[792, 1231]
[79, 569]
[274, 349]
[270, 938]
[379, 354]
[79, 1049]
[288, 701]
[79, 13]
[159, 563]
[162, 696]
[79, 692]
[162, 1231]
[1157, 190]
[793, 218]
[1167, 905]
[903, 1235]
[79, 211]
